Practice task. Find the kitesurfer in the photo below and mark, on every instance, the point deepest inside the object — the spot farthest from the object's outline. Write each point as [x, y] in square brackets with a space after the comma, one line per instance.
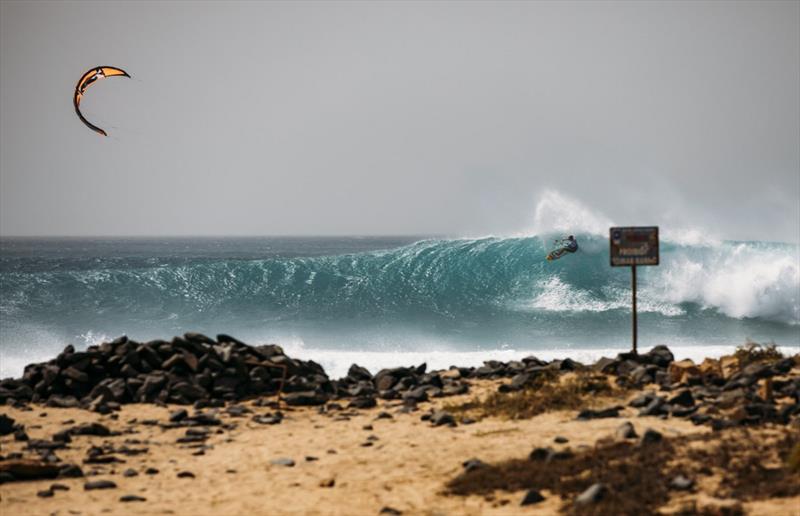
[568, 245]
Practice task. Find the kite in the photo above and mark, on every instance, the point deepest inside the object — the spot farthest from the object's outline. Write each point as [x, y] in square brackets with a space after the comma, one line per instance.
[86, 80]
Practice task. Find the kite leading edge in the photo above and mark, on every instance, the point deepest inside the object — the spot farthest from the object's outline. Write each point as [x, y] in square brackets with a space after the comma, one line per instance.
[86, 80]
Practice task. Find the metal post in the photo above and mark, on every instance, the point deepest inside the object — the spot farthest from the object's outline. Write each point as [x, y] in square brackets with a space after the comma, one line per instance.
[633, 288]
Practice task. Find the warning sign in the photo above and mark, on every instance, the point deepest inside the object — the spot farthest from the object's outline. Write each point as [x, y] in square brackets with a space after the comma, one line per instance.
[634, 246]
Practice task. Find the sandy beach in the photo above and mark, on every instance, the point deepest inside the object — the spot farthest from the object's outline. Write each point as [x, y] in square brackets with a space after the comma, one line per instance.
[389, 459]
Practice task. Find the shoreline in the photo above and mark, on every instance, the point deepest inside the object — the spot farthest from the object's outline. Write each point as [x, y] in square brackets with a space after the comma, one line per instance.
[407, 439]
[336, 362]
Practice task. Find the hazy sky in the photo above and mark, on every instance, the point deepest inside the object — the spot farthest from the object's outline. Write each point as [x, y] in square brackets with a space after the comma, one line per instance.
[414, 117]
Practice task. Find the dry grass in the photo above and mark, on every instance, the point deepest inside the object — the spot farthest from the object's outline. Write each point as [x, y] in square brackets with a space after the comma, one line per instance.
[751, 352]
[546, 392]
[754, 466]
[793, 460]
[748, 466]
[619, 466]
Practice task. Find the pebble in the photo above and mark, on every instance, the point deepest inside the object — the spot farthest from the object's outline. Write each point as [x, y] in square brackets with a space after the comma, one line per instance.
[441, 417]
[626, 431]
[59, 487]
[99, 484]
[561, 440]
[473, 464]
[531, 497]
[681, 483]
[390, 510]
[282, 462]
[650, 436]
[185, 474]
[47, 493]
[132, 498]
[593, 494]
[130, 473]
[327, 482]
[151, 471]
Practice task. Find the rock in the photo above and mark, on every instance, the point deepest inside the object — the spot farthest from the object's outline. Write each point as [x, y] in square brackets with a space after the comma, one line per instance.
[185, 474]
[450, 374]
[710, 367]
[532, 497]
[327, 482]
[587, 414]
[178, 415]
[681, 483]
[592, 495]
[417, 395]
[74, 374]
[683, 398]
[681, 371]
[70, 471]
[650, 436]
[362, 403]
[130, 473]
[390, 510]
[626, 431]
[6, 424]
[441, 417]
[642, 400]
[473, 464]
[654, 408]
[606, 365]
[151, 471]
[99, 484]
[47, 493]
[268, 419]
[358, 373]
[305, 398]
[59, 487]
[27, 469]
[132, 498]
[660, 356]
[540, 454]
[90, 429]
[283, 462]
[560, 440]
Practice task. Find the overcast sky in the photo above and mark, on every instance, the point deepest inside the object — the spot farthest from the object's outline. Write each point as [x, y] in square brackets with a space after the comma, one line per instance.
[385, 118]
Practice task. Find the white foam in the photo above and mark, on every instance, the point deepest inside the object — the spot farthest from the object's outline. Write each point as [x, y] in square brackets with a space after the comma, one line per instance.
[557, 296]
[744, 280]
[558, 213]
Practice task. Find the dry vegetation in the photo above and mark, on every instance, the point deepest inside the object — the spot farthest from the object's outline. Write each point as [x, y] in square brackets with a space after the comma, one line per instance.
[751, 352]
[746, 465]
[546, 392]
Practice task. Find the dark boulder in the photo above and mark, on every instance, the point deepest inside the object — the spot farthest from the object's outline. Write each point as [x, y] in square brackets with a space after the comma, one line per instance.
[305, 398]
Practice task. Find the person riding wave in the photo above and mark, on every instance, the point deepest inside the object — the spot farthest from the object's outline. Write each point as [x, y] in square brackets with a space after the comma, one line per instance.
[568, 245]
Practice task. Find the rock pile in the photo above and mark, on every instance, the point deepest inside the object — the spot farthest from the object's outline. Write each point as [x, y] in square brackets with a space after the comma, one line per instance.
[189, 369]
[719, 392]
[195, 369]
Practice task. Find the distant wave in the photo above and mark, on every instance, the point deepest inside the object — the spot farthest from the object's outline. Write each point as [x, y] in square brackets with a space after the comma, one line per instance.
[446, 278]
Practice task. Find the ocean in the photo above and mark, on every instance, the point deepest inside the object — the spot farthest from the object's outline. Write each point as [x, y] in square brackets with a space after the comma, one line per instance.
[388, 301]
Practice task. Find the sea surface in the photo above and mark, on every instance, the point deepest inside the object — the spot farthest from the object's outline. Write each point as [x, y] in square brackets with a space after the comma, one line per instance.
[387, 301]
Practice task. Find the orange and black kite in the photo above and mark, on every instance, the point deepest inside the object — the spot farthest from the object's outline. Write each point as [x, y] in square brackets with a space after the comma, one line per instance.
[87, 79]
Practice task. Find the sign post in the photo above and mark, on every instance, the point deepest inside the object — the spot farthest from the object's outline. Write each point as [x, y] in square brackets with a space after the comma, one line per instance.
[629, 247]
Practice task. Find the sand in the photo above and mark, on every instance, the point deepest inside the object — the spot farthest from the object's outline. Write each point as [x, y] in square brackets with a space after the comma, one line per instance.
[405, 468]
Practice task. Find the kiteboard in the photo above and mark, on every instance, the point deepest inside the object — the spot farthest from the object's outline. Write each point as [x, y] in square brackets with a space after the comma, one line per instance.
[555, 255]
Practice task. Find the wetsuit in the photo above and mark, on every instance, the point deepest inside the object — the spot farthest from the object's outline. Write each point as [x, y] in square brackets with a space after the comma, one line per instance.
[569, 246]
